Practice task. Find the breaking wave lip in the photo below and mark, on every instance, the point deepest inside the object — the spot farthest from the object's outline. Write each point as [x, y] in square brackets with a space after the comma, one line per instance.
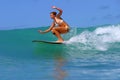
[101, 38]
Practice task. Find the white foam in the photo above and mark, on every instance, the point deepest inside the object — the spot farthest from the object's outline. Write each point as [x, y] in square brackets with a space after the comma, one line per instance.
[99, 39]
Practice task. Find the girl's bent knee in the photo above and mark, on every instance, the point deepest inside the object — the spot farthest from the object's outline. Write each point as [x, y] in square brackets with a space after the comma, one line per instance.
[53, 31]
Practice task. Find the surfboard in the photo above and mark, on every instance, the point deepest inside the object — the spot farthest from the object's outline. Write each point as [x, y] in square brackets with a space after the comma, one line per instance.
[49, 42]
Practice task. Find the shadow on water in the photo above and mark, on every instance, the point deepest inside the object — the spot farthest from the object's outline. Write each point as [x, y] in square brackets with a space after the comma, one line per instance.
[55, 52]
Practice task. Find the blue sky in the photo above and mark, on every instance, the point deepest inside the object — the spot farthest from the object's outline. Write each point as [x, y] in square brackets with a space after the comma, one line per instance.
[78, 13]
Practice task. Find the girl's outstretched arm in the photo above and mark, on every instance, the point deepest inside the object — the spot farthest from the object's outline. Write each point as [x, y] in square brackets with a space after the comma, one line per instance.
[48, 30]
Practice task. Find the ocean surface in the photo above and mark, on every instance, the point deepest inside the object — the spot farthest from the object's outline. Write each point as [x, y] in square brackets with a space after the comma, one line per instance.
[91, 53]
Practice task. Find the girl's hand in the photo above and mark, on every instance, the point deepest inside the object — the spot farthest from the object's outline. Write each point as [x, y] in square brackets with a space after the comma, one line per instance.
[40, 31]
[54, 7]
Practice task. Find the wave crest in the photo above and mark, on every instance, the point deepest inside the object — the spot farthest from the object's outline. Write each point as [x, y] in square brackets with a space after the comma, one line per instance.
[102, 38]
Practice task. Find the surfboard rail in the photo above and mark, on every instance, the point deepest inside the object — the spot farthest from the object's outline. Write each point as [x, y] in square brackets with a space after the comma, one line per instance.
[49, 42]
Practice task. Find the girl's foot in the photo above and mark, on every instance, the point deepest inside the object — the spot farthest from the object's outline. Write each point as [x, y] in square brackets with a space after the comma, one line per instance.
[60, 41]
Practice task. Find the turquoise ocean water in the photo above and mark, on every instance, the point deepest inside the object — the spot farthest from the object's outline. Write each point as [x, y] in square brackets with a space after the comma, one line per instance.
[91, 53]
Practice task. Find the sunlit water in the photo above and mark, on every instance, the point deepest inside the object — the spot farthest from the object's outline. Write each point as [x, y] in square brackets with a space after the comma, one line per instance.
[87, 54]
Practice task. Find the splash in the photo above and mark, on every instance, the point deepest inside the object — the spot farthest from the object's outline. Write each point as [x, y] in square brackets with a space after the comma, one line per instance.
[101, 38]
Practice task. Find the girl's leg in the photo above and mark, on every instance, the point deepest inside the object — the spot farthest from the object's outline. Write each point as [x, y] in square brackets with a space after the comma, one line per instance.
[54, 31]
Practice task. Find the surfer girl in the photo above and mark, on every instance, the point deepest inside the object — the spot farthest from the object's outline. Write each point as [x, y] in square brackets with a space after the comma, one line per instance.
[58, 26]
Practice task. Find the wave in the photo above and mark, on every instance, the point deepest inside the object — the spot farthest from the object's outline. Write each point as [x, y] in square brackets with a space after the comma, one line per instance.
[101, 38]
[18, 42]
